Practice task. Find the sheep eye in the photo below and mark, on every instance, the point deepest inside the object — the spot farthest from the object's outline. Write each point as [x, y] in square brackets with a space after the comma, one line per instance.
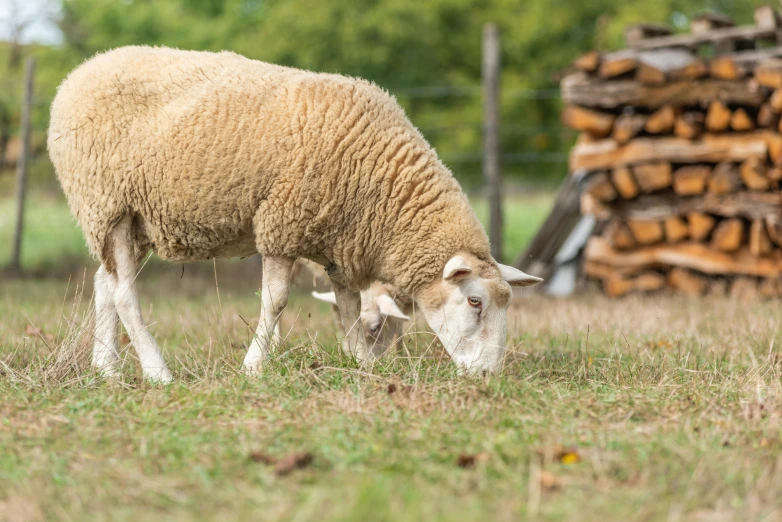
[475, 302]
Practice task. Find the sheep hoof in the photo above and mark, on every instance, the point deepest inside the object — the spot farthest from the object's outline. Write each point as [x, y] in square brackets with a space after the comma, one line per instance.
[158, 375]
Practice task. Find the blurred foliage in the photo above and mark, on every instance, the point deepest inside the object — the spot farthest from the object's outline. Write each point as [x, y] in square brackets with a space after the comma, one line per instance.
[428, 53]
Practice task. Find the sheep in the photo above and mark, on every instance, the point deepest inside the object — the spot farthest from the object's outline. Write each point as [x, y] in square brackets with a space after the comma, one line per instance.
[197, 155]
[382, 318]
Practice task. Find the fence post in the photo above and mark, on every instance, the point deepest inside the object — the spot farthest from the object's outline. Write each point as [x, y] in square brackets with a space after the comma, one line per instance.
[491, 135]
[21, 165]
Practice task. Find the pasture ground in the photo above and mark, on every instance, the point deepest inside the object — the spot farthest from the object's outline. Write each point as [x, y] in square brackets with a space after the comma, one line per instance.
[637, 409]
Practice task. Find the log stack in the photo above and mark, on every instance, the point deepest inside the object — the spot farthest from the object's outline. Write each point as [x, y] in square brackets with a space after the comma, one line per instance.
[681, 143]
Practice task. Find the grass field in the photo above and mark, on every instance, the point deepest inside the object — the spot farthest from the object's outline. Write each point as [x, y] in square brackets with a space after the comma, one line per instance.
[638, 409]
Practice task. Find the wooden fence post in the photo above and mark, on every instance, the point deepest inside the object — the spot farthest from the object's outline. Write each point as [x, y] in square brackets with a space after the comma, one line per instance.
[491, 135]
[21, 166]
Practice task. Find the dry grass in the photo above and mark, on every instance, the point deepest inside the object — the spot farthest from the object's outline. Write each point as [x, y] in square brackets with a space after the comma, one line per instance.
[640, 409]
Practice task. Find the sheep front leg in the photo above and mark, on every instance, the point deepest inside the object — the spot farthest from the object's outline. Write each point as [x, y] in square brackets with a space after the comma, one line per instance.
[349, 304]
[274, 299]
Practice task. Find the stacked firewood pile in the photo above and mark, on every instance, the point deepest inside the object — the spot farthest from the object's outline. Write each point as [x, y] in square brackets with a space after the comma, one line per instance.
[681, 143]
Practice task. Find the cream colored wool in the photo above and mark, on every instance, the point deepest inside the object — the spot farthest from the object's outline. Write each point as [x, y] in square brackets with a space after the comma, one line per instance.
[213, 154]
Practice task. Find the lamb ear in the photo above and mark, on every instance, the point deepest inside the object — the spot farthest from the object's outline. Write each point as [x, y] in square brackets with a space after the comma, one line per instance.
[456, 268]
[389, 308]
[516, 277]
[329, 297]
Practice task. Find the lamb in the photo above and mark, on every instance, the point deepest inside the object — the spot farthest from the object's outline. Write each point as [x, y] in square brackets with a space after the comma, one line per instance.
[197, 155]
[381, 316]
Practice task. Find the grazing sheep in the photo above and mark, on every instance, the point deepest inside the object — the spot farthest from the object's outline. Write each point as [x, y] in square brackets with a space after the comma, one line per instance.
[381, 316]
[199, 155]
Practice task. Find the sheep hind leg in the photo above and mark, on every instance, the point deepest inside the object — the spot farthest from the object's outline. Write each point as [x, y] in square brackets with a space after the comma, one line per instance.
[104, 350]
[274, 298]
[125, 295]
[355, 343]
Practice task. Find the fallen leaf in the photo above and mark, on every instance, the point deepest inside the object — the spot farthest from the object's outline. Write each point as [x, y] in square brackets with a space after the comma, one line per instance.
[550, 481]
[560, 453]
[571, 457]
[293, 462]
[468, 460]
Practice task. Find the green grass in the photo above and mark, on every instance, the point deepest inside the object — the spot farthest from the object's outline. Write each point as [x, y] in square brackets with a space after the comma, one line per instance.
[672, 406]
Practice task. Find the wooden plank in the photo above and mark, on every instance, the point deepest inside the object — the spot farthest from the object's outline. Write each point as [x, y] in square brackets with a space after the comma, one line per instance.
[718, 117]
[636, 33]
[686, 282]
[588, 62]
[700, 225]
[619, 235]
[580, 89]
[706, 22]
[661, 121]
[728, 235]
[692, 41]
[607, 154]
[695, 256]
[689, 125]
[759, 241]
[749, 205]
[624, 182]
[627, 127]
[769, 73]
[676, 229]
[740, 121]
[646, 232]
[691, 180]
[603, 271]
[652, 177]
[753, 174]
[599, 186]
[616, 64]
[596, 123]
[724, 179]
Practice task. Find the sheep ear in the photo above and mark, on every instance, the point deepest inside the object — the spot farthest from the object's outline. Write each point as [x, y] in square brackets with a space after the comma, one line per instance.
[328, 297]
[388, 307]
[516, 277]
[456, 268]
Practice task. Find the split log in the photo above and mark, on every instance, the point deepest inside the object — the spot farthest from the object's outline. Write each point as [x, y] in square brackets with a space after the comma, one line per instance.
[689, 125]
[617, 285]
[638, 32]
[766, 17]
[580, 89]
[727, 68]
[707, 22]
[745, 204]
[775, 101]
[676, 229]
[753, 174]
[597, 124]
[660, 67]
[728, 235]
[607, 154]
[646, 232]
[759, 242]
[661, 121]
[599, 187]
[768, 117]
[691, 180]
[718, 117]
[627, 127]
[695, 256]
[700, 225]
[774, 175]
[616, 64]
[725, 179]
[619, 235]
[774, 229]
[769, 74]
[588, 62]
[624, 182]
[653, 176]
[740, 121]
[686, 282]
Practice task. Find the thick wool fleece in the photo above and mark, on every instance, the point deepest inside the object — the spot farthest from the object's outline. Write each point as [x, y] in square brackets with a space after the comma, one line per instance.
[213, 154]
